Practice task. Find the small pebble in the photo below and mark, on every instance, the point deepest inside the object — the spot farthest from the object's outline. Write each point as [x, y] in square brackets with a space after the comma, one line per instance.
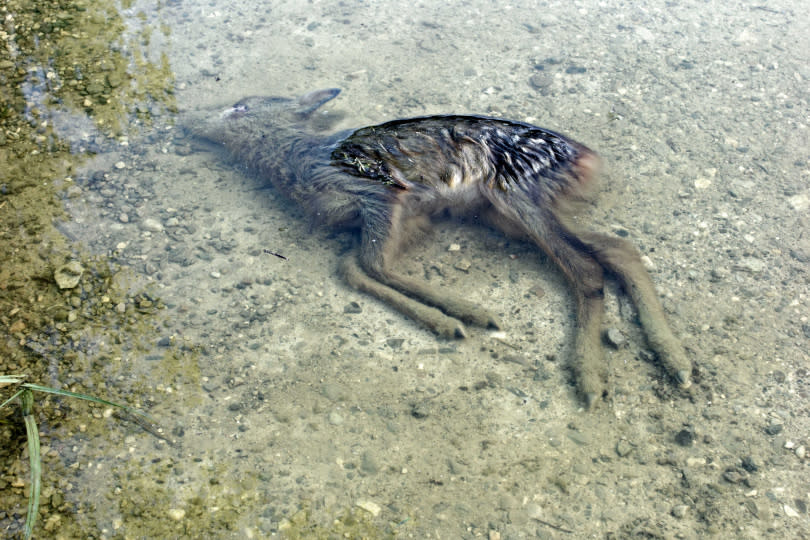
[151, 225]
[177, 513]
[615, 338]
[420, 410]
[68, 275]
[534, 511]
[702, 183]
[751, 265]
[352, 307]
[719, 274]
[749, 464]
[538, 291]
[734, 476]
[648, 264]
[120, 165]
[368, 463]
[679, 511]
[369, 506]
[685, 437]
[774, 429]
[454, 247]
[463, 265]
[540, 81]
[623, 448]
[578, 437]
[800, 202]
[18, 326]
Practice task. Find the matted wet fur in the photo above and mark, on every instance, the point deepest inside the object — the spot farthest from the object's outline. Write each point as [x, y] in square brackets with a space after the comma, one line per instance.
[388, 180]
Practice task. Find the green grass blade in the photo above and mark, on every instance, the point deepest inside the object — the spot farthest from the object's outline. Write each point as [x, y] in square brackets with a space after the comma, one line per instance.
[11, 379]
[31, 431]
[68, 393]
[26, 396]
[9, 400]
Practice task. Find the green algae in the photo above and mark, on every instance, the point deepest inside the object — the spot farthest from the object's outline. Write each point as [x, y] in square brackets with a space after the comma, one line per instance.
[64, 58]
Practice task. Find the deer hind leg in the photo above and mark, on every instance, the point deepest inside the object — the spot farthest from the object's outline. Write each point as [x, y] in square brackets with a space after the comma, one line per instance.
[586, 276]
[384, 233]
[621, 258]
[584, 273]
[521, 219]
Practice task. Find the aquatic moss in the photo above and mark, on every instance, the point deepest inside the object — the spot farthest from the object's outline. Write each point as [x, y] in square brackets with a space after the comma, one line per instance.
[62, 58]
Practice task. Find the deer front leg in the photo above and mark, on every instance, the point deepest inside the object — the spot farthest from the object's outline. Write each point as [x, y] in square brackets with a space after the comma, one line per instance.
[464, 310]
[435, 320]
[384, 233]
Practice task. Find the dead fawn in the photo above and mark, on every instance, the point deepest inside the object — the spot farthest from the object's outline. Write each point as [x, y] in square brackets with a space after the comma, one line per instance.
[389, 180]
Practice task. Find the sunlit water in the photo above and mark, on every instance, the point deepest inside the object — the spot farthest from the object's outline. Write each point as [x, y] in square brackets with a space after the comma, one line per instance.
[280, 389]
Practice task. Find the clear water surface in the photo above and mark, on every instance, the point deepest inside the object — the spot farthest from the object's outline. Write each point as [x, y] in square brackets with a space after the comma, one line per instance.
[290, 405]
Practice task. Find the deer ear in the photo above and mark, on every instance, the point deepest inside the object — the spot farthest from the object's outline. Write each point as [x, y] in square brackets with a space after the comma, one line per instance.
[312, 100]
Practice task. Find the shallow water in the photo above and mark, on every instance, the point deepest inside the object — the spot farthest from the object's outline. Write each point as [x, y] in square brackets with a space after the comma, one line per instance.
[292, 404]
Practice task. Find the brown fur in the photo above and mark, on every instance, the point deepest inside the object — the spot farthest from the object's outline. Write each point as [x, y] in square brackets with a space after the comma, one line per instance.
[389, 180]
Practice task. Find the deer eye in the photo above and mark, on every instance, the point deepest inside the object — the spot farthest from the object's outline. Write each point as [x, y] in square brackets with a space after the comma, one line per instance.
[236, 111]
